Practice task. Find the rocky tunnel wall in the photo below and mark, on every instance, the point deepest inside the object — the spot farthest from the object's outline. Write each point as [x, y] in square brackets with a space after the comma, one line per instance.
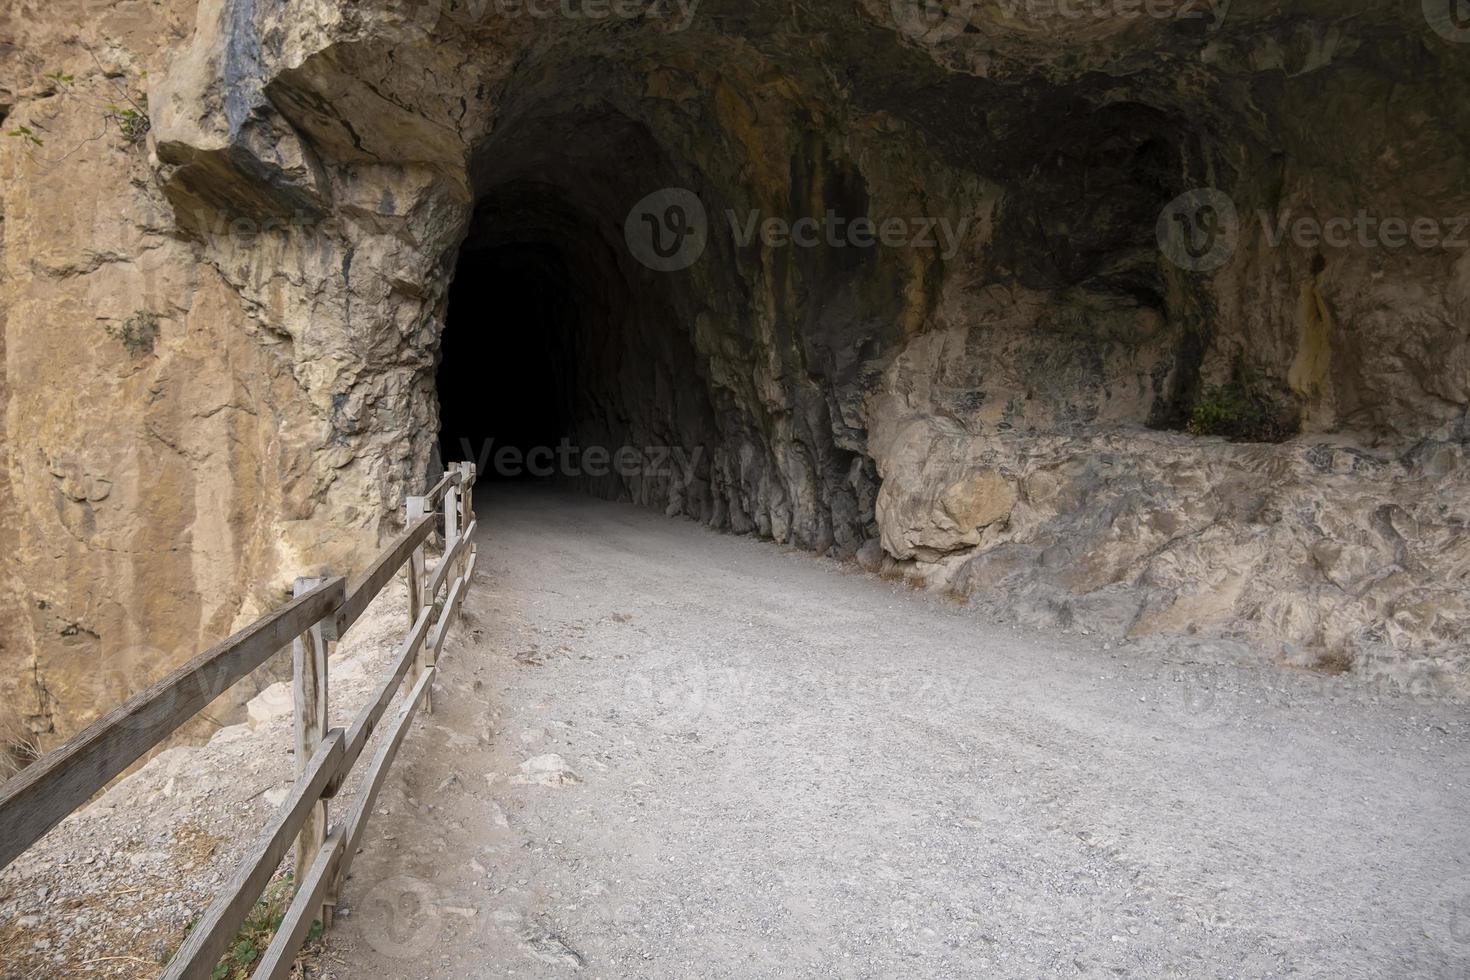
[223, 336]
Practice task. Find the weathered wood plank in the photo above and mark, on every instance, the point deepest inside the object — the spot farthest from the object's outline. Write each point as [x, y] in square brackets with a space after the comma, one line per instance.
[312, 888]
[446, 564]
[46, 792]
[467, 494]
[309, 693]
[367, 719]
[213, 933]
[441, 628]
[415, 508]
[364, 588]
[449, 479]
[377, 772]
[452, 526]
[466, 506]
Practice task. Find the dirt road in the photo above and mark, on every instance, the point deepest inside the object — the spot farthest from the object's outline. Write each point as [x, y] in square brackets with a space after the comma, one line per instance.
[665, 752]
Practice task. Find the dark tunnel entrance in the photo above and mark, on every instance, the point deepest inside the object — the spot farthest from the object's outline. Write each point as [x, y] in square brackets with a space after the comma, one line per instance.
[563, 353]
[562, 357]
[507, 368]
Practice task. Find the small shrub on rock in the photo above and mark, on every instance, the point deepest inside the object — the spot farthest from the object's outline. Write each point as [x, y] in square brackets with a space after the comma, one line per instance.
[138, 333]
[1241, 411]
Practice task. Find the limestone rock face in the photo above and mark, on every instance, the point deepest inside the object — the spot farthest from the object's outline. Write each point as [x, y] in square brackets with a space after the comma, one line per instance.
[935, 499]
[221, 334]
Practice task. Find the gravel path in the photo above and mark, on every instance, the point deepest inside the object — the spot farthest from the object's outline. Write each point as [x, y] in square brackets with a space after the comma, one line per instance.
[665, 752]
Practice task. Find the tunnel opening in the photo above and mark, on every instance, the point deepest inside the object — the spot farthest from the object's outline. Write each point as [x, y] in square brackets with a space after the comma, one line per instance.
[693, 389]
[561, 359]
[508, 360]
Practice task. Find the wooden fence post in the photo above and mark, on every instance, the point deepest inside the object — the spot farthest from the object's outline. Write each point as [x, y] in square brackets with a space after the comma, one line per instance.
[322, 611]
[418, 584]
[451, 538]
[309, 690]
[466, 518]
[415, 508]
[451, 518]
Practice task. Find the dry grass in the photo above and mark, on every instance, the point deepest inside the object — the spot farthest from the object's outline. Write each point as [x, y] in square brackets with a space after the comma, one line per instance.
[900, 575]
[1334, 662]
[194, 846]
[259, 929]
[19, 747]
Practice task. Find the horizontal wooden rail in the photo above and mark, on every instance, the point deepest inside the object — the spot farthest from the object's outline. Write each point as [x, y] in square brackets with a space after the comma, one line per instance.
[367, 719]
[214, 932]
[446, 564]
[437, 492]
[327, 866]
[365, 588]
[43, 794]
[372, 782]
[280, 956]
[53, 787]
[451, 606]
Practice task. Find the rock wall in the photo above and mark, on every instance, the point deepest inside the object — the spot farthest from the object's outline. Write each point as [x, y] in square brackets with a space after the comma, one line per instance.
[220, 335]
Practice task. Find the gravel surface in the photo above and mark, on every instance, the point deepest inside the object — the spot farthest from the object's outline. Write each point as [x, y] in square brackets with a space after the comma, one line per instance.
[665, 752]
[110, 891]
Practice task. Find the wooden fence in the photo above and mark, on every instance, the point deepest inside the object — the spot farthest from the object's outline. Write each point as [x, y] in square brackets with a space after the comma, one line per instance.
[323, 610]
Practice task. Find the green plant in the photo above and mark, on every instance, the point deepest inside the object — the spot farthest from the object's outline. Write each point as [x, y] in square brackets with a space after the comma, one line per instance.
[1240, 411]
[132, 119]
[138, 333]
[258, 930]
[27, 136]
[129, 115]
[24, 133]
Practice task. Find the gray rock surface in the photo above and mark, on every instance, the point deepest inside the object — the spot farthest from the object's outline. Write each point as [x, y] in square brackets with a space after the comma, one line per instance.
[1004, 410]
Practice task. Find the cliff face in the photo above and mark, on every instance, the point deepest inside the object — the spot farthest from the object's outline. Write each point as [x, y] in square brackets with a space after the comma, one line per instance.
[1017, 257]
